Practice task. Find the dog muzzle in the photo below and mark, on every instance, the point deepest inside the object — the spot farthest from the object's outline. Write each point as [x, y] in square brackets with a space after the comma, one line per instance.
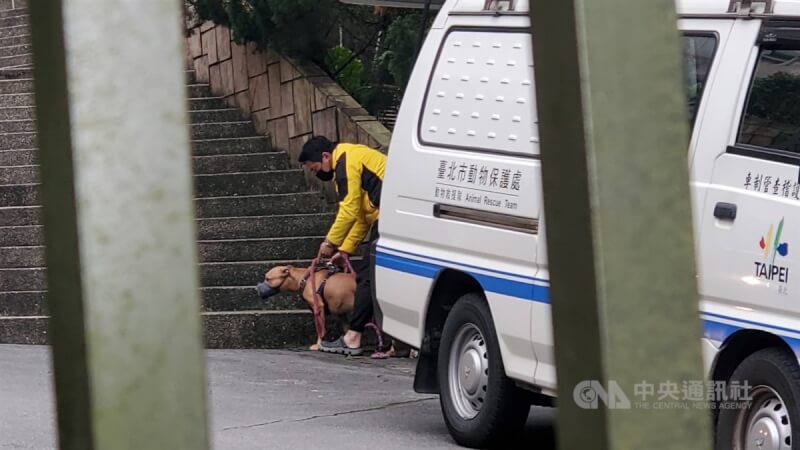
[265, 291]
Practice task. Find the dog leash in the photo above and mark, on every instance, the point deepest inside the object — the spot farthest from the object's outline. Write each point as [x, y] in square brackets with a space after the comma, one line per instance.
[316, 307]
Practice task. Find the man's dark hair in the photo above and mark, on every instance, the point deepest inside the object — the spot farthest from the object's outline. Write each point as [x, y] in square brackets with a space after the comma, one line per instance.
[314, 148]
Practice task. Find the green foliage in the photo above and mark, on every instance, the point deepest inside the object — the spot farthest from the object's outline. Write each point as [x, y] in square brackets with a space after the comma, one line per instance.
[293, 27]
[350, 69]
[369, 55]
[401, 42]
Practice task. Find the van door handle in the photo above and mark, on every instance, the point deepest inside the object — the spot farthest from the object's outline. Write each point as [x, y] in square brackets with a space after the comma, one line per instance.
[725, 211]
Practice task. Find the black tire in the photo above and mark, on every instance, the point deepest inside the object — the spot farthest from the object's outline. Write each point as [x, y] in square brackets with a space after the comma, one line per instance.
[505, 407]
[773, 369]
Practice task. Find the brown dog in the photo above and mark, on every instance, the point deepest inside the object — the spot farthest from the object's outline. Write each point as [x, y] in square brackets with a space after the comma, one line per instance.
[339, 292]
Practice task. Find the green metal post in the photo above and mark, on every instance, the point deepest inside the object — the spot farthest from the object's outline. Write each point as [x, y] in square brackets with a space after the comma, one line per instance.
[119, 224]
[613, 132]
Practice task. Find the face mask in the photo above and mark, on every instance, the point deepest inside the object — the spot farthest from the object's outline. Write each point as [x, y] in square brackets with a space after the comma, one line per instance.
[265, 291]
[325, 176]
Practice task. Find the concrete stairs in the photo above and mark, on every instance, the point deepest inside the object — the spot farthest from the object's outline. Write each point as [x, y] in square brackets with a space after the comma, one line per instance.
[253, 212]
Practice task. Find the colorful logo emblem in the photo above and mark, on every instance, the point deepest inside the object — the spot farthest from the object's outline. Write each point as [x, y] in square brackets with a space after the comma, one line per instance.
[772, 247]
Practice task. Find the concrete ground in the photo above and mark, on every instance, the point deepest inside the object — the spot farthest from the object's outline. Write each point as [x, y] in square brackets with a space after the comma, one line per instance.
[267, 399]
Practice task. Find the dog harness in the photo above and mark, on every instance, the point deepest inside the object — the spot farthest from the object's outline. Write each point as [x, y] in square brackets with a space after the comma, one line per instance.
[332, 270]
[321, 290]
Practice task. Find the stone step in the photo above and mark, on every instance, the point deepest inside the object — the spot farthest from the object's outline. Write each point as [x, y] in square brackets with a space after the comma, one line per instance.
[25, 157]
[14, 216]
[221, 130]
[251, 162]
[12, 41]
[17, 141]
[19, 30]
[24, 279]
[28, 235]
[16, 60]
[263, 226]
[244, 298]
[212, 275]
[30, 257]
[17, 126]
[201, 147]
[197, 90]
[26, 303]
[228, 298]
[27, 72]
[18, 113]
[208, 229]
[248, 273]
[14, 21]
[231, 146]
[245, 329]
[12, 100]
[214, 115]
[203, 165]
[12, 197]
[210, 251]
[18, 11]
[17, 86]
[13, 73]
[19, 195]
[21, 257]
[218, 274]
[252, 183]
[256, 205]
[14, 50]
[19, 175]
[202, 103]
[30, 330]
[258, 329]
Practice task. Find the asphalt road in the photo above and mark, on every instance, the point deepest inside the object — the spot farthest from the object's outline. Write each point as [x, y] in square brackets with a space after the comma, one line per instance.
[267, 399]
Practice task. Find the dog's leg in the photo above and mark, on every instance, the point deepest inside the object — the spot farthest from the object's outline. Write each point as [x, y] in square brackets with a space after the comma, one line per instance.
[316, 346]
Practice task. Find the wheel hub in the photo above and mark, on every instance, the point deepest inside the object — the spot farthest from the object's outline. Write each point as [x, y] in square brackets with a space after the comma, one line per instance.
[468, 370]
[766, 423]
[469, 375]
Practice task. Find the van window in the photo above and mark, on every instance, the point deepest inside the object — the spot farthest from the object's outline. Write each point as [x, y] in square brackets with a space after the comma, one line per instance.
[481, 94]
[772, 115]
[698, 54]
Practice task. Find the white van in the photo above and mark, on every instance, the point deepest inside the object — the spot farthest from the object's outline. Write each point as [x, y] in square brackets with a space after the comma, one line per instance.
[461, 266]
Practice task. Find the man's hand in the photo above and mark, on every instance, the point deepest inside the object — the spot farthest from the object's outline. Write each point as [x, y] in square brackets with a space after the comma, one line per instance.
[326, 249]
[340, 259]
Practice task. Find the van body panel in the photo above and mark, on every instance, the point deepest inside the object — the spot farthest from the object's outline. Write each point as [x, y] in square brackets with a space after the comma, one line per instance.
[463, 190]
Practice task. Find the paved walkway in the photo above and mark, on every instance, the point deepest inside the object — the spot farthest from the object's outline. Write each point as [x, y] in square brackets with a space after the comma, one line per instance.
[269, 400]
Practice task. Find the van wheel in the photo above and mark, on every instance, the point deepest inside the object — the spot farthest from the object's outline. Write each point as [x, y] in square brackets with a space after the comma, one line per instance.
[481, 406]
[770, 419]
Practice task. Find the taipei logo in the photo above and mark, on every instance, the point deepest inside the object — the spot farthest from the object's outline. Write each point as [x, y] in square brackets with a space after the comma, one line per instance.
[773, 247]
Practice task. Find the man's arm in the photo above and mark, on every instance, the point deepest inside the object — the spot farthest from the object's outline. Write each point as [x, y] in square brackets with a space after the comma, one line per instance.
[356, 235]
[348, 179]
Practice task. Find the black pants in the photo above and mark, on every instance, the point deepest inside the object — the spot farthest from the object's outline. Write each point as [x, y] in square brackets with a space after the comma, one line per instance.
[362, 305]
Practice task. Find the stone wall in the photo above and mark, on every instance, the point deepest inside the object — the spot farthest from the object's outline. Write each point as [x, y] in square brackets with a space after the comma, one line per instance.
[288, 100]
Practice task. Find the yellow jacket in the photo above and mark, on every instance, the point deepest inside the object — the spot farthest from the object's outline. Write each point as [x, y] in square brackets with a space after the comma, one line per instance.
[358, 179]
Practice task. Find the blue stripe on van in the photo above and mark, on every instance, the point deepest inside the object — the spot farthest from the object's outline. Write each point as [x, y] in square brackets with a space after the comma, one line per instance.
[512, 288]
[719, 331]
[712, 329]
[464, 265]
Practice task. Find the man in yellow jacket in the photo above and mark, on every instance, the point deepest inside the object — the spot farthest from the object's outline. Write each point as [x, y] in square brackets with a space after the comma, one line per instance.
[358, 174]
